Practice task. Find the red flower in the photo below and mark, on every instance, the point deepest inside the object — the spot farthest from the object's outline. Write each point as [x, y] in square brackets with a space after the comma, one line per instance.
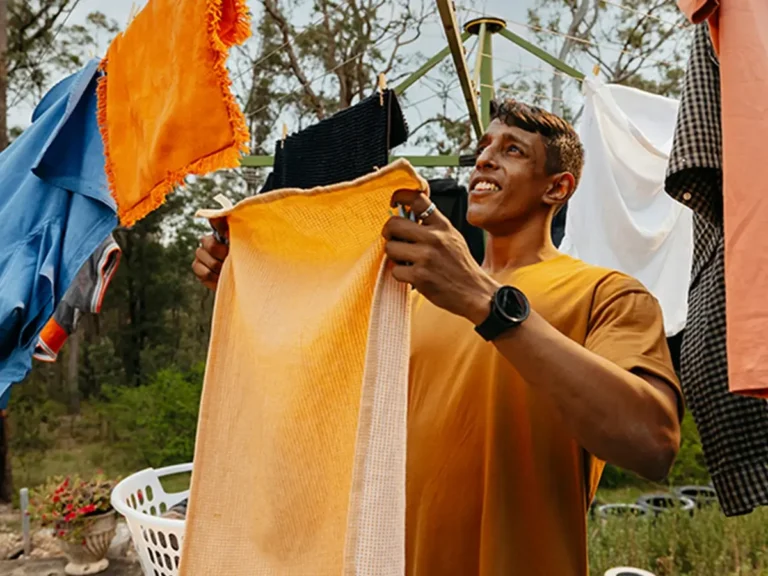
[61, 533]
[69, 517]
[56, 498]
[44, 517]
[62, 486]
[69, 507]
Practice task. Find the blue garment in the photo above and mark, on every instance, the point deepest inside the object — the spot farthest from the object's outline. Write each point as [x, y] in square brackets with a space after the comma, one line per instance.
[55, 210]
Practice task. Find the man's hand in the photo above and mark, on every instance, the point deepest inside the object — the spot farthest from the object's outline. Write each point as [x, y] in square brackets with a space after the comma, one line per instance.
[434, 258]
[210, 257]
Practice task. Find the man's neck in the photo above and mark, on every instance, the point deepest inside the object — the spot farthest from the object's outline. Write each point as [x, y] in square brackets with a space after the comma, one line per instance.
[530, 244]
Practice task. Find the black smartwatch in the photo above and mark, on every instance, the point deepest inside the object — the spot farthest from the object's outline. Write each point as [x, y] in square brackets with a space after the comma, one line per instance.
[509, 308]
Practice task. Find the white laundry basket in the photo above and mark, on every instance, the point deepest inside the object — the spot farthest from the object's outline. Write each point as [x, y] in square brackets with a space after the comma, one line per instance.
[141, 499]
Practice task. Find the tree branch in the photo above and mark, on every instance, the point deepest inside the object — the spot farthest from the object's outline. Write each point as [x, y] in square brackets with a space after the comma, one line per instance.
[315, 102]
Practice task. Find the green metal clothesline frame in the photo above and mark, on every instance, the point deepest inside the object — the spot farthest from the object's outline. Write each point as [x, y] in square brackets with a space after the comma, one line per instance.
[480, 85]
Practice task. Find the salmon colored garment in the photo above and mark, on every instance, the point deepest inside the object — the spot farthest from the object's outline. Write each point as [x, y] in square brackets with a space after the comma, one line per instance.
[496, 485]
[740, 34]
[300, 453]
[165, 105]
[698, 11]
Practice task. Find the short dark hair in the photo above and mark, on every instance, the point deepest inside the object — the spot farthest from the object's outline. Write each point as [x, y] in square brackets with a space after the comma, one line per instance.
[565, 153]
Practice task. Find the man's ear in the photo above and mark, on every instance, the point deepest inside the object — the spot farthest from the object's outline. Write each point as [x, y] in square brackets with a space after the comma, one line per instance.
[560, 190]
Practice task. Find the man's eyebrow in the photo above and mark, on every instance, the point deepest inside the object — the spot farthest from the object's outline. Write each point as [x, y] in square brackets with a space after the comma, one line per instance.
[510, 137]
[483, 139]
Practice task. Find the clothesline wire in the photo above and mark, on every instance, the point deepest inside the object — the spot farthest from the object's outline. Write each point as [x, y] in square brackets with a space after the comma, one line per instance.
[331, 71]
[451, 85]
[648, 15]
[505, 90]
[278, 49]
[48, 46]
[578, 40]
[537, 68]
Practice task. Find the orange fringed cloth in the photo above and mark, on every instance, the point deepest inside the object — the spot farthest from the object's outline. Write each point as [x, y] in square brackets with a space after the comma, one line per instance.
[166, 109]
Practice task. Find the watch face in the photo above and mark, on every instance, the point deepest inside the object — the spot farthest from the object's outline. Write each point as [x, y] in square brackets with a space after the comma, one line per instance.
[512, 304]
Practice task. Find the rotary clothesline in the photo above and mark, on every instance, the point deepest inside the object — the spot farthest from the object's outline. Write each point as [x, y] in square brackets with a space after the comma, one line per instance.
[583, 41]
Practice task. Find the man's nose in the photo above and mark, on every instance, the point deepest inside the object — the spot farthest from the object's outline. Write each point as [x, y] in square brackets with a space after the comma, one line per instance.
[485, 160]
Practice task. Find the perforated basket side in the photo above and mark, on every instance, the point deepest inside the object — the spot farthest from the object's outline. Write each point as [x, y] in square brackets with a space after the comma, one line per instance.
[141, 499]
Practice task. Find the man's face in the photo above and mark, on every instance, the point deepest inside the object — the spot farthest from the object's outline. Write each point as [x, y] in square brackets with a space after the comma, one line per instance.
[509, 182]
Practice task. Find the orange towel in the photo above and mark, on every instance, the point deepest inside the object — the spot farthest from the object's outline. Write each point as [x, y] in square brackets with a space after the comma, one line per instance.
[300, 452]
[165, 105]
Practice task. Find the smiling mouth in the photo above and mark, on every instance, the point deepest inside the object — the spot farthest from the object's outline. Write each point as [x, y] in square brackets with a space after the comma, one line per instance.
[485, 187]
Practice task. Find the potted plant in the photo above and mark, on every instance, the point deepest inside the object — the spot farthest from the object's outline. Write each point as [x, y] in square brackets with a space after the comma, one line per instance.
[82, 518]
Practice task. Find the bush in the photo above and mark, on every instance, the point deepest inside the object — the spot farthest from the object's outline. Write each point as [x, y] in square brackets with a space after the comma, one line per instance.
[156, 423]
[689, 466]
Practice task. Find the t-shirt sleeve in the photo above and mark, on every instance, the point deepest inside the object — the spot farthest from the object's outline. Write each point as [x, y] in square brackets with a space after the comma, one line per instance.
[626, 326]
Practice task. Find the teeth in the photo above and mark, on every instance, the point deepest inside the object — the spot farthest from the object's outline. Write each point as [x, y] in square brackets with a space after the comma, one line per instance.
[486, 186]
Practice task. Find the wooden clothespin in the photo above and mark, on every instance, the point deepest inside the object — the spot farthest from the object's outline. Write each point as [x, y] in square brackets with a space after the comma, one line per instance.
[285, 135]
[596, 70]
[132, 13]
[382, 86]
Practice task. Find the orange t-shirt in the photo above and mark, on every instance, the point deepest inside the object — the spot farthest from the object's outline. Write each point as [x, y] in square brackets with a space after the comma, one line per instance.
[495, 484]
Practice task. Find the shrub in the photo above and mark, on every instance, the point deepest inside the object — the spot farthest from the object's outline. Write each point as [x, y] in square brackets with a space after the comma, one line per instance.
[156, 423]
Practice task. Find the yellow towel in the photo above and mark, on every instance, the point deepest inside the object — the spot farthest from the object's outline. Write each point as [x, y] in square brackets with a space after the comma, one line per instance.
[165, 105]
[300, 454]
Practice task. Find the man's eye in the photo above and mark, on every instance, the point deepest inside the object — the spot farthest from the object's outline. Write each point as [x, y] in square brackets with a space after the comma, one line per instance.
[513, 149]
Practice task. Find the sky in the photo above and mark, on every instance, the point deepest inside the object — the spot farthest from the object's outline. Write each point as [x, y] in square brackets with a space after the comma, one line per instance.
[420, 102]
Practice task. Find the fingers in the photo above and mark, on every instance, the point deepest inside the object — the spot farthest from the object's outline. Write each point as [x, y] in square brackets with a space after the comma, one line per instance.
[215, 249]
[398, 228]
[207, 260]
[407, 253]
[418, 203]
[405, 274]
[207, 277]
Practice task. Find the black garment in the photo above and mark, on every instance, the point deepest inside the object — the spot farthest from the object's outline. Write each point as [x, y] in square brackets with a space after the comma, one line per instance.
[733, 428]
[343, 147]
[451, 199]
[558, 226]
[675, 343]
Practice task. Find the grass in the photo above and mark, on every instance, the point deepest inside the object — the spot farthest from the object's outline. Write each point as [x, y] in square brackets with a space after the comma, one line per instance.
[705, 544]
[677, 544]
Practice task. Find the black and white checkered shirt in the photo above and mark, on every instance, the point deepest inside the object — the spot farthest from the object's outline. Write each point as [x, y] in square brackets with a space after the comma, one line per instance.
[733, 428]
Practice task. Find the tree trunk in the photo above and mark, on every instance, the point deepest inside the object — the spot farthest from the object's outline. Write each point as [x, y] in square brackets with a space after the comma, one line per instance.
[565, 49]
[6, 481]
[73, 372]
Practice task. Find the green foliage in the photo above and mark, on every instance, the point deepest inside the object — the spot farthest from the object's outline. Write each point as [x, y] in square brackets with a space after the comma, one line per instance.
[689, 466]
[156, 422]
[41, 44]
[678, 544]
[34, 419]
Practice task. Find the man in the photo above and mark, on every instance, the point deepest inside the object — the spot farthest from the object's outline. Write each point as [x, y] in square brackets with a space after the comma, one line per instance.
[527, 373]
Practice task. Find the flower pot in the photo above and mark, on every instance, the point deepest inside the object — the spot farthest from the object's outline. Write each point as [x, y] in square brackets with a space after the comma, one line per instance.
[88, 557]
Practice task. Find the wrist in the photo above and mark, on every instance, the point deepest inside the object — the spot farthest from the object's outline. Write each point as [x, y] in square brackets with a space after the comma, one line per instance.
[479, 301]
